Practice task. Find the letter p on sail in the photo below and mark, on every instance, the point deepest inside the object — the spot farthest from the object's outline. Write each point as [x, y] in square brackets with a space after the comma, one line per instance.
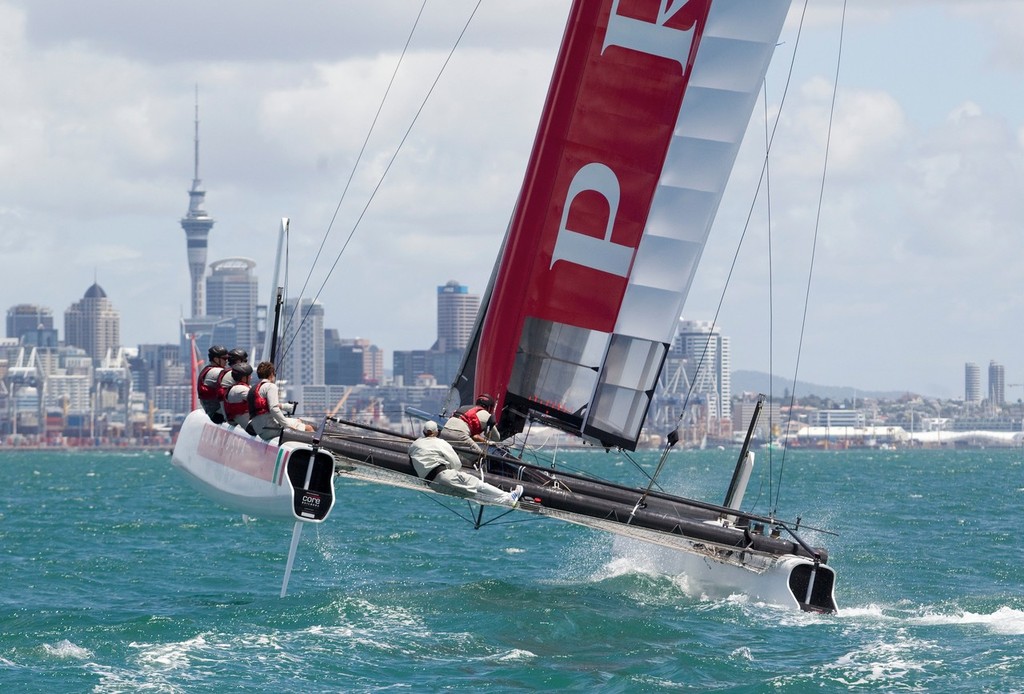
[585, 249]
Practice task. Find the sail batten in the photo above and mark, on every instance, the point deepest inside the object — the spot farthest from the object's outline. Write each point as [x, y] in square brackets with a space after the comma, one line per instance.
[647, 106]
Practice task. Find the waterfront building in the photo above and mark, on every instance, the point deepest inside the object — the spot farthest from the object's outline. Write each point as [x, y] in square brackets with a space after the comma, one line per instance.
[699, 364]
[769, 422]
[158, 365]
[231, 292]
[93, 324]
[972, 383]
[837, 418]
[996, 384]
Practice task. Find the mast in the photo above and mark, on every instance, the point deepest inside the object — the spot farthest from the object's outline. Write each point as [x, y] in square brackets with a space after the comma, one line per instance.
[276, 296]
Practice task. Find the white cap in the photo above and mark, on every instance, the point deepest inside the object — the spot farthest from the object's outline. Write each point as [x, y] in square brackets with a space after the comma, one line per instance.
[430, 426]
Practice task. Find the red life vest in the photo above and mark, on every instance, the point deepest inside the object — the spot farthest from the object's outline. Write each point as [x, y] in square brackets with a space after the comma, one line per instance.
[472, 419]
[233, 409]
[208, 392]
[257, 402]
[222, 390]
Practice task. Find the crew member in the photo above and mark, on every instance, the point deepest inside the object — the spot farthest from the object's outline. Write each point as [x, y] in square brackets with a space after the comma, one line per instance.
[437, 462]
[236, 402]
[208, 383]
[227, 379]
[468, 428]
[265, 413]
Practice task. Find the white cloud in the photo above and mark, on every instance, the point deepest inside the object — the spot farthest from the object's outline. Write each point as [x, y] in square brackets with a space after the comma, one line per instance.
[916, 238]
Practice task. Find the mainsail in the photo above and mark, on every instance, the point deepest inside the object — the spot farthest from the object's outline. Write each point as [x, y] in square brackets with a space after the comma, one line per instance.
[643, 119]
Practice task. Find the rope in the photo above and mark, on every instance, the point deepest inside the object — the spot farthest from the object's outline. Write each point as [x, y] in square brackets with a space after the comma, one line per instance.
[817, 226]
[391, 161]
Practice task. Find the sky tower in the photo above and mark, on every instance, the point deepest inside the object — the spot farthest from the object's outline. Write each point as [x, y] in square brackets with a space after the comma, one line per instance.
[197, 224]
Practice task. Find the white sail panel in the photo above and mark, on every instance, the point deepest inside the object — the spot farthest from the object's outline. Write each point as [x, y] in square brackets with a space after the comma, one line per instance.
[737, 45]
[735, 50]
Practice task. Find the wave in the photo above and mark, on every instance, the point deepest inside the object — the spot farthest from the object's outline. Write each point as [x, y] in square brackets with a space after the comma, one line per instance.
[1005, 620]
[66, 649]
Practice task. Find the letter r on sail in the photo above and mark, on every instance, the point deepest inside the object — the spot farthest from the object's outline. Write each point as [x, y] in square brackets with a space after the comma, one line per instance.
[586, 250]
[653, 38]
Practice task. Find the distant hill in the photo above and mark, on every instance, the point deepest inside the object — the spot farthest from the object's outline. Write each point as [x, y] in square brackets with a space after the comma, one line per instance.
[759, 382]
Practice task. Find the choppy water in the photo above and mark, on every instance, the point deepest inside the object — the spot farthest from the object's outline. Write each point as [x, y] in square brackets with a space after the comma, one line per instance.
[117, 577]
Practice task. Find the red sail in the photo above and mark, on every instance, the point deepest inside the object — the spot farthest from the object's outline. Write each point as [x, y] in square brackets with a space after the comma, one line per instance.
[549, 340]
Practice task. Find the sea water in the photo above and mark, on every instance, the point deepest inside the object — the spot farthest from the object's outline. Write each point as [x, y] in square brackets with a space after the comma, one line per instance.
[118, 577]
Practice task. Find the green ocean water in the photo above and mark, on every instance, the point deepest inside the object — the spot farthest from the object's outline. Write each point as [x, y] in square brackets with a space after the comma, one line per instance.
[117, 577]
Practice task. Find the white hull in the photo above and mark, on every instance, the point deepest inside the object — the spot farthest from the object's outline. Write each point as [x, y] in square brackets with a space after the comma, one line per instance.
[247, 474]
[712, 570]
[706, 576]
[716, 571]
[258, 478]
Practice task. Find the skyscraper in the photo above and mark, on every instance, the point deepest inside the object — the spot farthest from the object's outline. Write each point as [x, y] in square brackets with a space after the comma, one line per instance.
[197, 224]
[456, 315]
[972, 383]
[351, 361]
[231, 292]
[996, 384]
[93, 324]
[708, 366]
[300, 359]
[25, 318]
[32, 325]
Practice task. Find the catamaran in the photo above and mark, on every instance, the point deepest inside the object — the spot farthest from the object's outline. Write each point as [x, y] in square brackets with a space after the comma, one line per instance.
[642, 123]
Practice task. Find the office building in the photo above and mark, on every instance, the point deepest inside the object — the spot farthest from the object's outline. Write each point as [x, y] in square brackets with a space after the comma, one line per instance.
[996, 384]
[32, 325]
[300, 352]
[350, 361]
[231, 292]
[700, 356]
[456, 316]
[93, 324]
[25, 318]
[972, 383]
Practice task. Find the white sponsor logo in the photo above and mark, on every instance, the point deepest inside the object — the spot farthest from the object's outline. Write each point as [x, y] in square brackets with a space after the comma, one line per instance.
[601, 253]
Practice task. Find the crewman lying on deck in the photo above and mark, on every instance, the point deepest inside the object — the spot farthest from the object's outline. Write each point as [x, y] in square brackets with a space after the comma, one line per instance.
[265, 413]
[437, 462]
[468, 428]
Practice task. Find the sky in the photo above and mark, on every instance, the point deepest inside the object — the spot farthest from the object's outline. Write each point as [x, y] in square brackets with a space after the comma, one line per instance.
[908, 267]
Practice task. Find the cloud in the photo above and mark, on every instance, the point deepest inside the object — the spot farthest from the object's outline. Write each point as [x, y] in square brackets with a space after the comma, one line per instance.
[913, 241]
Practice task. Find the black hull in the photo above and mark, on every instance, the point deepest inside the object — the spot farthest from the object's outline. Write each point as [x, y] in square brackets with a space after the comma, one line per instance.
[608, 502]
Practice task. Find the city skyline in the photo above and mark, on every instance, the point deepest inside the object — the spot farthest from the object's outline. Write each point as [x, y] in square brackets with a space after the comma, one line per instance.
[922, 187]
[688, 341]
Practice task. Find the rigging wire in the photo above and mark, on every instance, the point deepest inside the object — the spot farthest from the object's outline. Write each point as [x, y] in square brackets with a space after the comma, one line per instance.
[817, 226]
[362, 149]
[391, 161]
